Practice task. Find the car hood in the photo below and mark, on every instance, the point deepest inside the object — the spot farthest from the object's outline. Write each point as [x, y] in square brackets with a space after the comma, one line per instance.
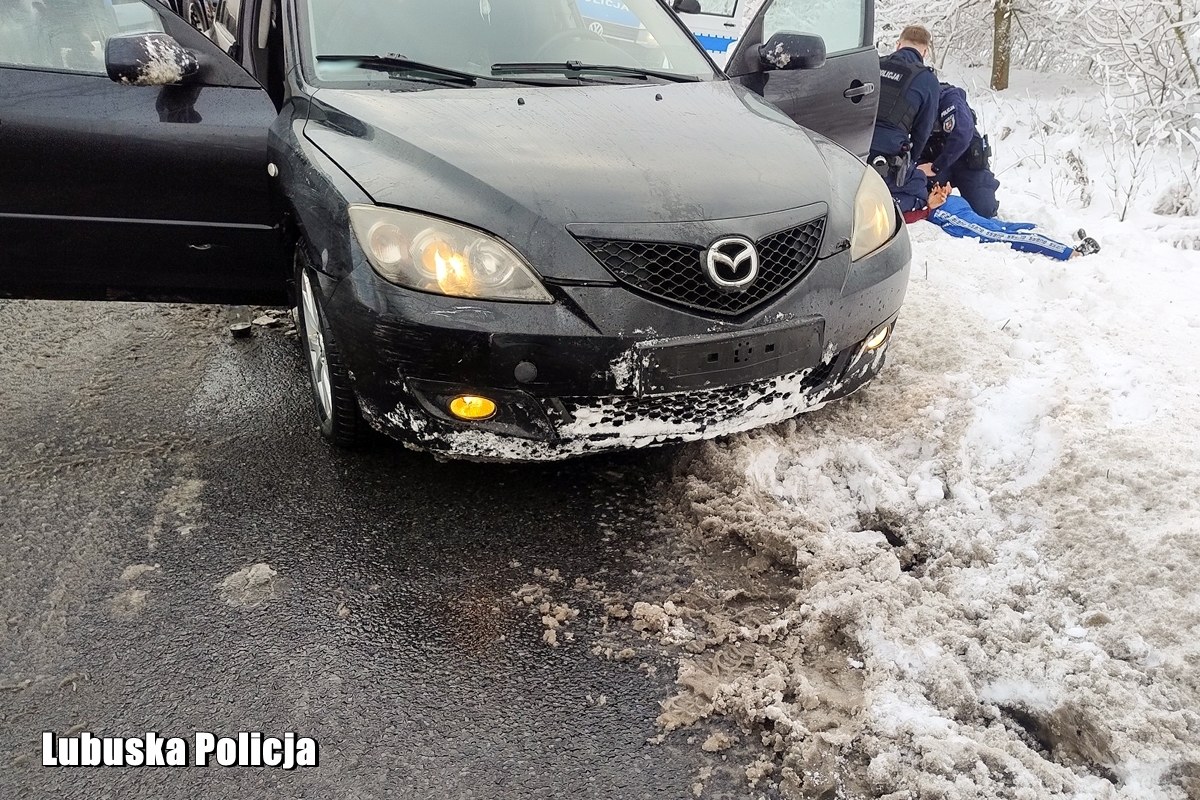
[528, 161]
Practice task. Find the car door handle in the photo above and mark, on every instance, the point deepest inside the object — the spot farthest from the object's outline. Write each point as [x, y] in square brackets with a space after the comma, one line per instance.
[862, 90]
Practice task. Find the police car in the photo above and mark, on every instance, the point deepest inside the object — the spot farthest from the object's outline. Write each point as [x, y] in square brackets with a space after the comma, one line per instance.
[716, 30]
[716, 24]
[612, 19]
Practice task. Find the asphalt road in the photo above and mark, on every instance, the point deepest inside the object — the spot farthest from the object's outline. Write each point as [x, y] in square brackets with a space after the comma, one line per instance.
[145, 435]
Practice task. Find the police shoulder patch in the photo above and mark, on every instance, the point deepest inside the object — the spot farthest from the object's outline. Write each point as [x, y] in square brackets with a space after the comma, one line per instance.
[948, 125]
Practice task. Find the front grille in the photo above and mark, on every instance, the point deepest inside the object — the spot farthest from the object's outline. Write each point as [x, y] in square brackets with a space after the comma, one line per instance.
[675, 272]
[687, 415]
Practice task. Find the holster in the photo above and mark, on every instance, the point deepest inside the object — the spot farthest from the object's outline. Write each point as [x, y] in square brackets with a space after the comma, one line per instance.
[979, 153]
[893, 169]
[901, 165]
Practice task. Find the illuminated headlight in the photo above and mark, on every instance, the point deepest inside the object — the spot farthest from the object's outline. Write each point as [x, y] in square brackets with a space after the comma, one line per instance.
[433, 255]
[874, 216]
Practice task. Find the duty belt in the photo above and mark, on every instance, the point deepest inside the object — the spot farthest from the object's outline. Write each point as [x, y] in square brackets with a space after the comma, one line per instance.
[893, 169]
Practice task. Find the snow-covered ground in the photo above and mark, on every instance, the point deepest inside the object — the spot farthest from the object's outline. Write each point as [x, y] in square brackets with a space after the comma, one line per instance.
[980, 578]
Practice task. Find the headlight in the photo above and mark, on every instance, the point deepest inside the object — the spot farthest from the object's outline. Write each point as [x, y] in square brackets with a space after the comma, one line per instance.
[874, 216]
[432, 255]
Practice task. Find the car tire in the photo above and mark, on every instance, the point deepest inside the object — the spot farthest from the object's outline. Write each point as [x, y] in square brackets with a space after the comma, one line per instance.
[196, 13]
[341, 421]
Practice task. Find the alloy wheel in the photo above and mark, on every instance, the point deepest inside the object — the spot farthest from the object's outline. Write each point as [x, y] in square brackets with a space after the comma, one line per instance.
[318, 357]
[196, 16]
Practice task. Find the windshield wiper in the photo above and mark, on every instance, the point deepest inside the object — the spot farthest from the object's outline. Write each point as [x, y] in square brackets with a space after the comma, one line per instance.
[575, 67]
[397, 63]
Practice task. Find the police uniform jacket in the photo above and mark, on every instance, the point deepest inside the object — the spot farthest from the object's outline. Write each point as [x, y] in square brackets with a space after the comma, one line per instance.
[919, 104]
[955, 128]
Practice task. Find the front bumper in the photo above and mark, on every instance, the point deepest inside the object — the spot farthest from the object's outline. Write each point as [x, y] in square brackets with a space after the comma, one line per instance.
[596, 370]
[560, 428]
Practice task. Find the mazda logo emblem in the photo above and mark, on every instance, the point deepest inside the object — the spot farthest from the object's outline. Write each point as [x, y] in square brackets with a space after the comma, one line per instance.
[732, 263]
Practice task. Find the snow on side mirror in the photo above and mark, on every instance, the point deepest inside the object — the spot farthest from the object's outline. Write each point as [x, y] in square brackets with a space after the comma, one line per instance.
[786, 50]
[148, 59]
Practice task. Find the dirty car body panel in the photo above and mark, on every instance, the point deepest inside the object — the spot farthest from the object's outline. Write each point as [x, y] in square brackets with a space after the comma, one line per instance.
[133, 192]
[613, 190]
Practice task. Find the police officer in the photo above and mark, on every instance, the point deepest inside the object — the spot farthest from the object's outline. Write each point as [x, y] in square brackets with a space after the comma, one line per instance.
[908, 105]
[959, 155]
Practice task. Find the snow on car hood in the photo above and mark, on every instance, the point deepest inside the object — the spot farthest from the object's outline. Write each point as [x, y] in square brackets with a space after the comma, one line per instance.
[514, 160]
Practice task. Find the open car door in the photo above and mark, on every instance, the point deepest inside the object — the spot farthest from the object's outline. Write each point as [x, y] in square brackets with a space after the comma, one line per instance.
[837, 100]
[717, 26]
[118, 191]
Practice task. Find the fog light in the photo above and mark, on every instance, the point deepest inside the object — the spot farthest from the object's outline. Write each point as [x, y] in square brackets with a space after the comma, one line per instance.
[472, 408]
[877, 339]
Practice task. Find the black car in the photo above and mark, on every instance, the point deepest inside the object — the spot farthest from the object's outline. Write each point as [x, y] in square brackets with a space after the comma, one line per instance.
[508, 237]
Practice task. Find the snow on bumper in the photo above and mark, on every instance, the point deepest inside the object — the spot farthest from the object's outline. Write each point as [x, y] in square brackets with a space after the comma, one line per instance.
[582, 426]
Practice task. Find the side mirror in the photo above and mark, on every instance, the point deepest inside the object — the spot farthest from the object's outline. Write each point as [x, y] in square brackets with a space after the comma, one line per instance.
[787, 50]
[148, 59]
[686, 7]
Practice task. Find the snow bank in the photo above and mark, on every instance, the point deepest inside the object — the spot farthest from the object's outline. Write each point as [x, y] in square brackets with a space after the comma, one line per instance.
[979, 578]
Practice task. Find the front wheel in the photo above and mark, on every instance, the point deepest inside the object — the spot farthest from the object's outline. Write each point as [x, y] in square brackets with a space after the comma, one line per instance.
[341, 422]
[197, 15]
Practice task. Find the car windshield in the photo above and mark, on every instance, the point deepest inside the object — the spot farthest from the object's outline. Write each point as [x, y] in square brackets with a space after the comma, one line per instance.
[473, 36]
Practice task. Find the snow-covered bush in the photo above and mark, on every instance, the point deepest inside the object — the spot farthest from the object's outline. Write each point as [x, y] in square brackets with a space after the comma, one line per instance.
[1143, 54]
[1146, 51]
[1149, 52]
[1179, 199]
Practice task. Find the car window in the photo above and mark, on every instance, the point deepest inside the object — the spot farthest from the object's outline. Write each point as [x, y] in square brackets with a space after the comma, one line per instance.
[840, 22]
[69, 34]
[472, 35]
